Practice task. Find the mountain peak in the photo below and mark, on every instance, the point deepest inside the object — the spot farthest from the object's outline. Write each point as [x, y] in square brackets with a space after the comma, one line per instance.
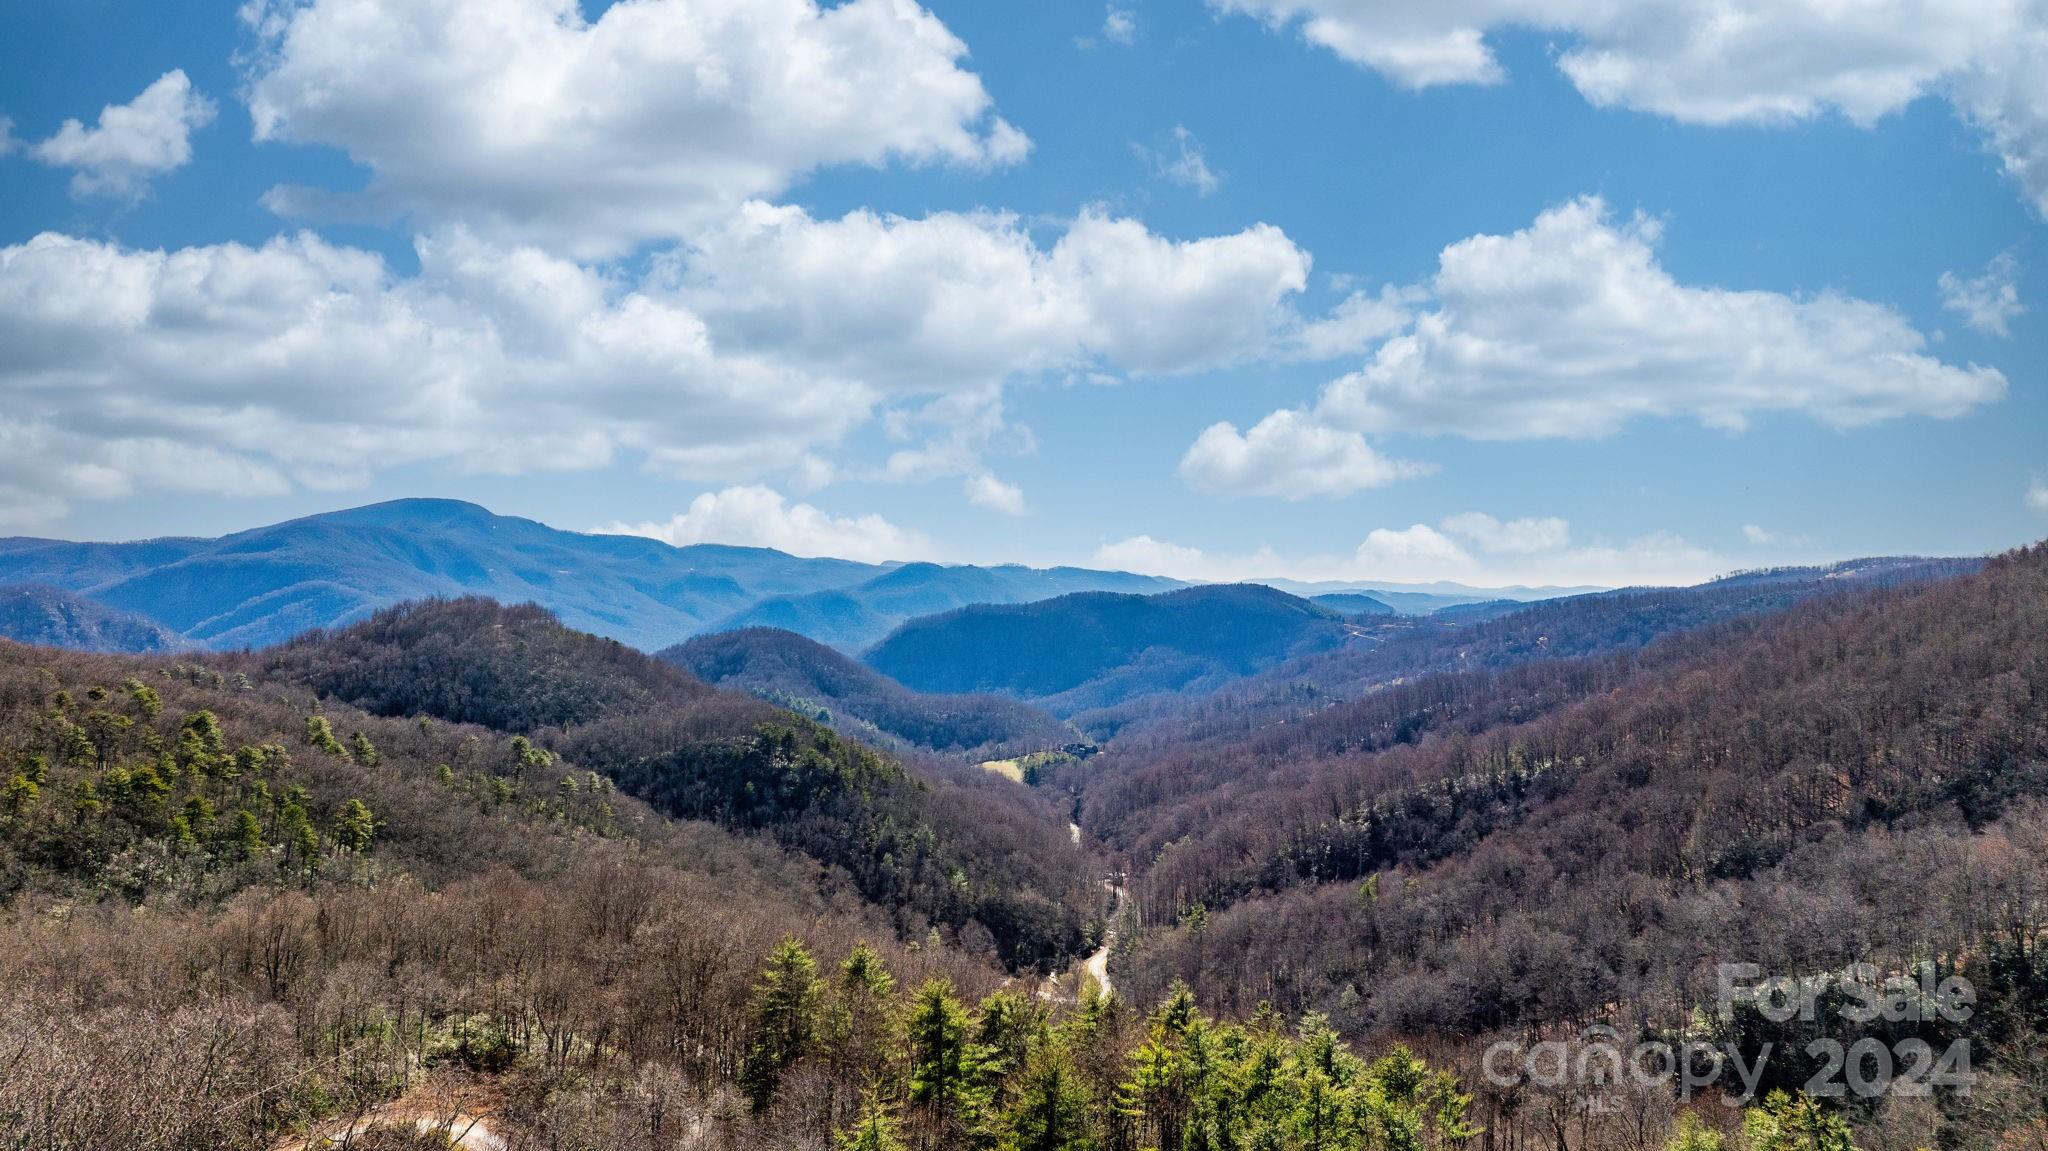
[414, 512]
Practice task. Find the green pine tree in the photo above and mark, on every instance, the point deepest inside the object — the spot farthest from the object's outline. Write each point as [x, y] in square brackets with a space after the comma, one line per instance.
[1794, 1122]
[1051, 1112]
[295, 830]
[875, 1130]
[362, 750]
[355, 828]
[247, 839]
[320, 735]
[946, 1067]
[201, 750]
[1689, 1134]
[784, 1019]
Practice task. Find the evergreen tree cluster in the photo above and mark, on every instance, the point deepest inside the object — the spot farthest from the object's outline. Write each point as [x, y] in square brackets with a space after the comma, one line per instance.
[922, 1069]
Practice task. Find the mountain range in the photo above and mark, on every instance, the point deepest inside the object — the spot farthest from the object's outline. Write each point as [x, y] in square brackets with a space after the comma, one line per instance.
[266, 585]
[855, 618]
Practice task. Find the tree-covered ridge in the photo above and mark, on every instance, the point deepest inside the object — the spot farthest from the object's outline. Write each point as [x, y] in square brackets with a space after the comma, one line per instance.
[1143, 643]
[1869, 684]
[473, 660]
[173, 781]
[932, 848]
[1863, 778]
[1391, 651]
[857, 616]
[228, 909]
[810, 678]
[234, 904]
[52, 617]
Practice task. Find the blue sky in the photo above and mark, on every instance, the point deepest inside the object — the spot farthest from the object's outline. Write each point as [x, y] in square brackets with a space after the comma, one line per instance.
[1625, 304]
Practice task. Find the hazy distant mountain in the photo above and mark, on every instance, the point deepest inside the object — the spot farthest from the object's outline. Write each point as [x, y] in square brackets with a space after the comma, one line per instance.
[1424, 598]
[1145, 643]
[1353, 603]
[812, 679]
[52, 617]
[854, 618]
[262, 586]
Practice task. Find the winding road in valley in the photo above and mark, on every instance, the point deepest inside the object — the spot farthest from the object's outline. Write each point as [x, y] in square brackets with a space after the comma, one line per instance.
[1096, 966]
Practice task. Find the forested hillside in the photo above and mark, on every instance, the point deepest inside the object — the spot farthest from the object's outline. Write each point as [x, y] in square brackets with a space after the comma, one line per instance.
[1550, 843]
[1353, 603]
[230, 908]
[232, 912]
[1095, 648]
[953, 849]
[239, 913]
[811, 679]
[51, 617]
[458, 860]
[1384, 652]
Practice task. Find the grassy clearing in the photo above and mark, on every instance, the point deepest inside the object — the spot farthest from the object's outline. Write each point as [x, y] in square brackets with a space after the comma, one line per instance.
[1010, 769]
[1025, 768]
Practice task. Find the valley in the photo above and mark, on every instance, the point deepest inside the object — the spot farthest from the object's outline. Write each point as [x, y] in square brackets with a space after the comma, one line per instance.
[1099, 856]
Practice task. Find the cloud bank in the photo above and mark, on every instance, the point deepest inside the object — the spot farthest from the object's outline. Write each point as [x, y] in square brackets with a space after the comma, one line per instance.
[1733, 62]
[528, 123]
[756, 516]
[1571, 329]
[1472, 548]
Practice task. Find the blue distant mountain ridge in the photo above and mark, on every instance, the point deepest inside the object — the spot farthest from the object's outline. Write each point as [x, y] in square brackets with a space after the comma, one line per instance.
[855, 618]
[262, 586]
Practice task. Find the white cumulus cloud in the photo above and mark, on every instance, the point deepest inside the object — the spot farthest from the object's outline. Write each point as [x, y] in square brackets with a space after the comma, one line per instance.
[1417, 552]
[305, 362]
[1360, 321]
[1989, 301]
[1758, 536]
[1523, 536]
[986, 491]
[1734, 62]
[1472, 548]
[1289, 456]
[957, 299]
[132, 143]
[1148, 556]
[524, 120]
[2004, 95]
[756, 516]
[302, 362]
[2037, 496]
[1572, 328]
